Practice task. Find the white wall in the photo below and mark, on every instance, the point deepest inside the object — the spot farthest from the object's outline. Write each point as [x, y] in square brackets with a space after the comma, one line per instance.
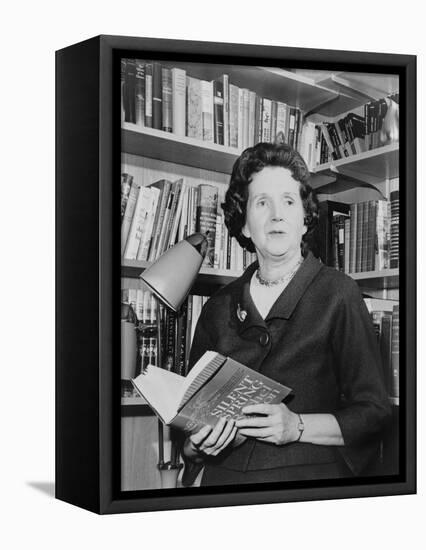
[30, 33]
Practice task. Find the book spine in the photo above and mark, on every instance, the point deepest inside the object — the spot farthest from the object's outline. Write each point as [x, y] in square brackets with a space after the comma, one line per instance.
[167, 103]
[194, 108]
[266, 120]
[258, 120]
[130, 83]
[140, 93]
[157, 96]
[252, 118]
[394, 229]
[179, 101]
[233, 115]
[123, 91]
[128, 215]
[281, 119]
[395, 352]
[126, 183]
[158, 224]
[218, 112]
[347, 244]
[206, 218]
[148, 95]
[246, 117]
[226, 138]
[138, 223]
[146, 237]
[274, 108]
[207, 110]
[353, 233]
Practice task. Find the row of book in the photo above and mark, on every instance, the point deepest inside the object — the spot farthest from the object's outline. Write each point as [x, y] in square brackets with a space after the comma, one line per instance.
[360, 237]
[167, 98]
[156, 216]
[177, 329]
[217, 111]
[354, 133]
[385, 318]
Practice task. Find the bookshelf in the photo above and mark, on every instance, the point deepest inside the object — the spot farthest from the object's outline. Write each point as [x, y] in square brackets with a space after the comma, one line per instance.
[153, 154]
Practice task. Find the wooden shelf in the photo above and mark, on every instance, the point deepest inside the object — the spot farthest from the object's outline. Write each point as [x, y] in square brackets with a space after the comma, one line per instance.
[131, 270]
[385, 279]
[133, 401]
[165, 146]
[370, 167]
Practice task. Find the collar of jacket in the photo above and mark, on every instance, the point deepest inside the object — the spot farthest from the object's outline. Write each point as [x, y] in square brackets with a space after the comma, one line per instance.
[247, 314]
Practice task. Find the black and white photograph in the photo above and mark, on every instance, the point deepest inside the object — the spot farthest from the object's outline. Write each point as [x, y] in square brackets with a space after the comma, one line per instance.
[212, 275]
[260, 274]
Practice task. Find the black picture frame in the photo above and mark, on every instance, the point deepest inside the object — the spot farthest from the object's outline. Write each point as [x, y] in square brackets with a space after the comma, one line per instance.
[87, 275]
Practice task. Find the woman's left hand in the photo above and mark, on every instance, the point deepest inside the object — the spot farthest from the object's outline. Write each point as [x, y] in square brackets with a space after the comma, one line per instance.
[278, 424]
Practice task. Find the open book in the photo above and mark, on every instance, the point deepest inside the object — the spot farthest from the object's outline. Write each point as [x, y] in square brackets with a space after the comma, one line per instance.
[216, 386]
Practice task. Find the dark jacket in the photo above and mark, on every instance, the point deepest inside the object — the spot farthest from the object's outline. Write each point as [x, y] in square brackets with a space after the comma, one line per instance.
[317, 339]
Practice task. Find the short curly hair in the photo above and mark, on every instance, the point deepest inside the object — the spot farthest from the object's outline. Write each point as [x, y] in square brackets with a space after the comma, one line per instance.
[253, 160]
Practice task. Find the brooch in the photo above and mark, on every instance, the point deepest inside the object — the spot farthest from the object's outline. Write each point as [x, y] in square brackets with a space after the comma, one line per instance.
[241, 313]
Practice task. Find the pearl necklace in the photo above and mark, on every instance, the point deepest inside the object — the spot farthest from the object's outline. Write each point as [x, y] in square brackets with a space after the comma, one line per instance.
[284, 279]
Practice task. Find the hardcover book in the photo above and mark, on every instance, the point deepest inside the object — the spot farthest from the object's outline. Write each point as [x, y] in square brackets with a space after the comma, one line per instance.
[217, 386]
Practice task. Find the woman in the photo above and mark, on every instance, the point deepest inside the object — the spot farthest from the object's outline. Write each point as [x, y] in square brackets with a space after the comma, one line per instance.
[298, 322]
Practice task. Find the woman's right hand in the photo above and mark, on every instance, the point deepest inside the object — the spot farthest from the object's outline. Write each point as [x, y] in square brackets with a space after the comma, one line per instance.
[210, 441]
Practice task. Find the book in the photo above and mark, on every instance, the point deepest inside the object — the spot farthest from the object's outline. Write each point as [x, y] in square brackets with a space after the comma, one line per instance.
[217, 386]
[138, 224]
[129, 94]
[140, 93]
[179, 101]
[395, 352]
[207, 110]
[128, 214]
[206, 218]
[157, 96]
[148, 95]
[167, 107]
[126, 182]
[194, 127]
[218, 109]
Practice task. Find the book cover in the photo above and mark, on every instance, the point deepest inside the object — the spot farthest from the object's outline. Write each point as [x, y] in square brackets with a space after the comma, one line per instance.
[216, 387]
[206, 218]
[327, 245]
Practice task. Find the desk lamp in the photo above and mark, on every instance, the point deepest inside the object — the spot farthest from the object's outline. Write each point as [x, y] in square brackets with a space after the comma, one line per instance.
[170, 278]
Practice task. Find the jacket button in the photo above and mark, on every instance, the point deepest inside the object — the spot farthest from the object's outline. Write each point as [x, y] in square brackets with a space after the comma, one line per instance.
[264, 339]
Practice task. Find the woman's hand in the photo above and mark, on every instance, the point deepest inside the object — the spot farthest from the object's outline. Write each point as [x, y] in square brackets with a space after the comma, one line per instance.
[210, 441]
[278, 424]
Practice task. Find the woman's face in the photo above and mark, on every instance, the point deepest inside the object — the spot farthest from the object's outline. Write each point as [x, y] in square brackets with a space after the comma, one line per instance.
[275, 214]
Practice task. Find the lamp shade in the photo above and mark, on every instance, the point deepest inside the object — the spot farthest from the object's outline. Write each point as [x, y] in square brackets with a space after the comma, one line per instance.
[173, 274]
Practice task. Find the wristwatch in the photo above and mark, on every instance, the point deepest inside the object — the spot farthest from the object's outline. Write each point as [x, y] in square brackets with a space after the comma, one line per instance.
[300, 427]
